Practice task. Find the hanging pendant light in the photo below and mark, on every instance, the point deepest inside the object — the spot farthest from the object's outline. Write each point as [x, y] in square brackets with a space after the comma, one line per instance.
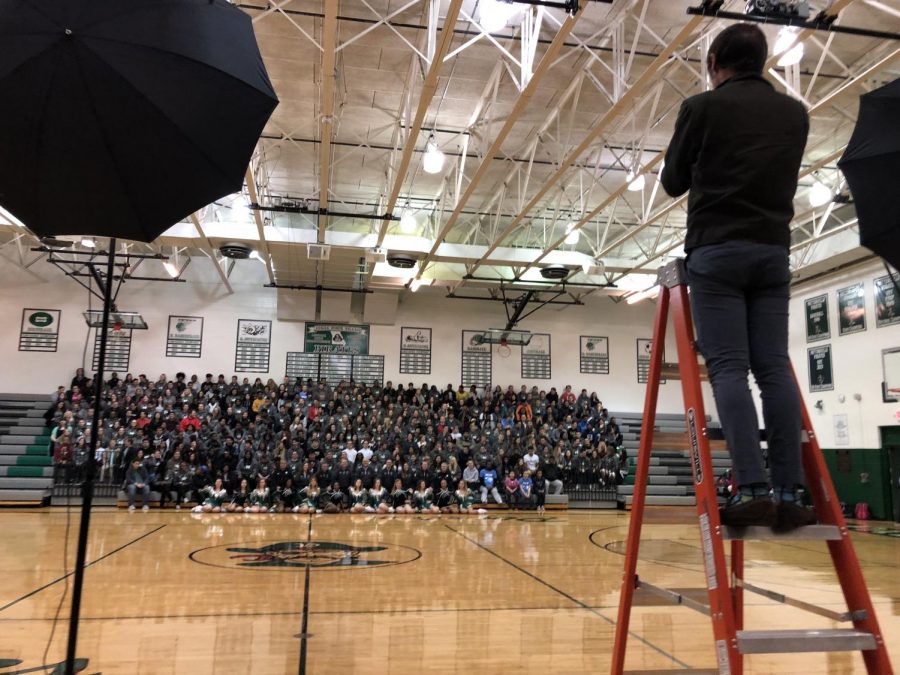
[433, 159]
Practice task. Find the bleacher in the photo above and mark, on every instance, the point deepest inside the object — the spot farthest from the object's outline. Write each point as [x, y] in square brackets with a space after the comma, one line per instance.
[26, 468]
[670, 482]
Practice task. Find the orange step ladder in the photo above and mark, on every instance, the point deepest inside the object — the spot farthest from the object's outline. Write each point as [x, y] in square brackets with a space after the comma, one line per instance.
[726, 585]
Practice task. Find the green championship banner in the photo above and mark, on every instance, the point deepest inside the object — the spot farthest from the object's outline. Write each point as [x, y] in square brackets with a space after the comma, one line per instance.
[852, 309]
[336, 338]
[887, 304]
[817, 318]
[820, 375]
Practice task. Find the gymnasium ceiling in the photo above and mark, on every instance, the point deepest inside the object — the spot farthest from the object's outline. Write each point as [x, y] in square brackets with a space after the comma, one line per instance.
[540, 123]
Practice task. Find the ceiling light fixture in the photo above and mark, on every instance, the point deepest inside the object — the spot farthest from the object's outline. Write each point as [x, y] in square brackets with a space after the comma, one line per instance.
[433, 160]
[820, 194]
[572, 234]
[88, 243]
[408, 222]
[494, 14]
[635, 184]
[651, 292]
[788, 50]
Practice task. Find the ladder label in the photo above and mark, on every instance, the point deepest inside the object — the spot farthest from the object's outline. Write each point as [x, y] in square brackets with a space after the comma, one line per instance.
[722, 656]
[695, 446]
[708, 560]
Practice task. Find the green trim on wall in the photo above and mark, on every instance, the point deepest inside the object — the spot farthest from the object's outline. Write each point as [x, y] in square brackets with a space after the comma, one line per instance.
[890, 435]
[847, 474]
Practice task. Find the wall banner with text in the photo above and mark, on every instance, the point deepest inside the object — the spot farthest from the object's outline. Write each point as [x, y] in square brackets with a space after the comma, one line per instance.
[852, 309]
[335, 338]
[476, 359]
[887, 304]
[40, 330]
[185, 336]
[415, 350]
[536, 357]
[594, 355]
[817, 327]
[820, 375]
[254, 344]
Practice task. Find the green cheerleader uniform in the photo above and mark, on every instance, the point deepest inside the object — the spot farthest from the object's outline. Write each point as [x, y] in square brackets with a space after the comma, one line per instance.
[215, 499]
[422, 501]
[464, 499]
[376, 499]
[258, 498]
[358, 498]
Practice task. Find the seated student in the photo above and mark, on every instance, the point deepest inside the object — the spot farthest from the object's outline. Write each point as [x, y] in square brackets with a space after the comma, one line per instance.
[470, 475]
[334, 499]
[359, 497]
[489, 480]
[285, 498]
[511, 489]
[240, 500]
[422, 499]
[182, 479]
[465, 498]
[260, 498]
[215, 497]
[378, 498]
[312, 495]
[525, 495]
[400, 498]
[443, 500]
[136, 480]
[540, 490]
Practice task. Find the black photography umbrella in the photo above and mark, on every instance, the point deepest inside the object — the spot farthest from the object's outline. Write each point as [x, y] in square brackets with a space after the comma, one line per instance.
[871, 165]
[118, 119]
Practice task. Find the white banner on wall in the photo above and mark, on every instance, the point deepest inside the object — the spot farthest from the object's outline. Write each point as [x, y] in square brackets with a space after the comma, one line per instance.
[415, 350]
[40, 330]
[254, 342]
[536, 357]
[594, 354]
[185, 337]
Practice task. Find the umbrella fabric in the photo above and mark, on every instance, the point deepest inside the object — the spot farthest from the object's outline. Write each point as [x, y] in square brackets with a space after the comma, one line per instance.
[121, 118]
[871, 165]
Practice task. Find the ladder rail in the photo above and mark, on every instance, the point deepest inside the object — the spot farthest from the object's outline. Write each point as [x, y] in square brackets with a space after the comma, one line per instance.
[721, 602]
[843, 554]
[635, 523]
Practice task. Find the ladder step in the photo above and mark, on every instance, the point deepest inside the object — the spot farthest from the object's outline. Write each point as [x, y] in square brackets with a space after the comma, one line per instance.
[791, 641]
[670, 371]
[756, 533]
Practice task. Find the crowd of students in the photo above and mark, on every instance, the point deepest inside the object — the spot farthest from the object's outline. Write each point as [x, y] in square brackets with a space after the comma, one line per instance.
[301, 446]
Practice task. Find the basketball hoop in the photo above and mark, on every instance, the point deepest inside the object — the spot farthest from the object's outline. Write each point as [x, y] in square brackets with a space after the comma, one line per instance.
[117, 327]
[503, 349]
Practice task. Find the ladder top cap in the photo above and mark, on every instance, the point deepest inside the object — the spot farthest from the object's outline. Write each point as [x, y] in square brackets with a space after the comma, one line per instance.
[672, 274]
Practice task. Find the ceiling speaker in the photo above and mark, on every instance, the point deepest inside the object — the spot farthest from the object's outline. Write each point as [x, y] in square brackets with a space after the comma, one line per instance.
[401, 260]
[555, 272]
[235, 250]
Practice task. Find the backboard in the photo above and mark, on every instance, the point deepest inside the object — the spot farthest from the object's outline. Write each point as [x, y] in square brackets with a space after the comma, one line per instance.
[501, 336]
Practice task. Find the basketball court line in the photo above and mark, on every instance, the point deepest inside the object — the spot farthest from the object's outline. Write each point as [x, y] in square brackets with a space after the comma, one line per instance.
[66, 576]
[304, 624]
[571, 598]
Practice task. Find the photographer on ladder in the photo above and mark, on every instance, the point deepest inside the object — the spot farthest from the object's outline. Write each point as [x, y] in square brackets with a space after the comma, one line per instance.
[738, 148]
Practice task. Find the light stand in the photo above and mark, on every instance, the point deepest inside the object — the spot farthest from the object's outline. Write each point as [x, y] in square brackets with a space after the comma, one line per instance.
[100, 321]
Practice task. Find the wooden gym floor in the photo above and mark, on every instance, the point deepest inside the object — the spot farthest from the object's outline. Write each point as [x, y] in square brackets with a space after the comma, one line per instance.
[173, 592]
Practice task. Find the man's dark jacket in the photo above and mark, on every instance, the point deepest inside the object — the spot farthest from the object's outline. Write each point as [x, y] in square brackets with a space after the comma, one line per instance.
[737, 148]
